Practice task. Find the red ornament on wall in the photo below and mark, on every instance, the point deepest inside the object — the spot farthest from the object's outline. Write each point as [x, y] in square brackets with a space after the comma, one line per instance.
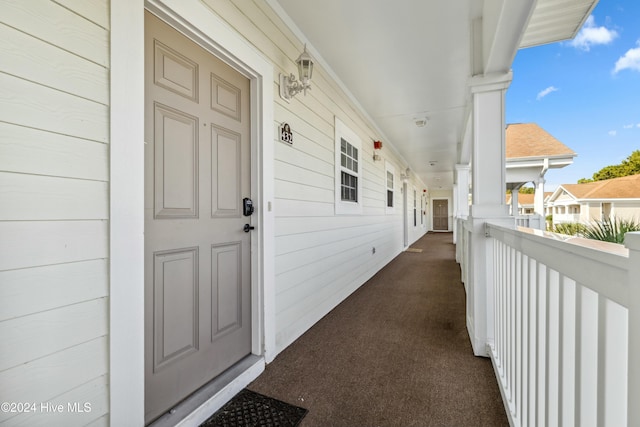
[377, 145]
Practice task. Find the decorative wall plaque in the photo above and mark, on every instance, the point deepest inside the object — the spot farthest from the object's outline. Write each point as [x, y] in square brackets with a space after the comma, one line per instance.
[286, 135]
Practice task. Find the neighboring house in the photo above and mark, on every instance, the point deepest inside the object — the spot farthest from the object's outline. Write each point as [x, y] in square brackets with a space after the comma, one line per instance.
[596, 201]
[134, 268]
[530, 152]
[526, 203]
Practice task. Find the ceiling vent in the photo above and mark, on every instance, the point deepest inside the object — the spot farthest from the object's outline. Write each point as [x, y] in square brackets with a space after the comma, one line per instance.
[421, 121]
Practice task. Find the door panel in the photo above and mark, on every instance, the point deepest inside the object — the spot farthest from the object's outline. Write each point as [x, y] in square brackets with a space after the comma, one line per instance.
[225, 97]
[225, 172]
[175, 72]
[197, 256]
[176, 163]
[226, 294]
[175, 298]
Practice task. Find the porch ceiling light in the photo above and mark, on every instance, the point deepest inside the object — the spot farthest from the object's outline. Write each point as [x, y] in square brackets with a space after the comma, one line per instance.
[289, 86]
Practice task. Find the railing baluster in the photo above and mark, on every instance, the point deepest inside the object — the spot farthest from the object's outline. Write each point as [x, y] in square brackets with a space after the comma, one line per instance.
[518, 331]
[501, 308]
[509, 322]
[525, 336]
[560, 325]
[578, 360]
[588, 354]
[611, 387]
[533, 341]
[542, 343]
[512, 323]
[568, 359]
[601, 361]
[553, 346]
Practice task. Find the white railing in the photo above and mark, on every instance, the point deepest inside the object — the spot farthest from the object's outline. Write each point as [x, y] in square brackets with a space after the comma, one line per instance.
[565, 324]
[462, 247]
[531, 221]
[566, 218]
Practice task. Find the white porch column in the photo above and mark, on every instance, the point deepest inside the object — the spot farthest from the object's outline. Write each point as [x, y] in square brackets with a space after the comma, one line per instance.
[460, 202]
[455, 216]
[514, 201]
[462, 196]
[488, 202]
[538, 198]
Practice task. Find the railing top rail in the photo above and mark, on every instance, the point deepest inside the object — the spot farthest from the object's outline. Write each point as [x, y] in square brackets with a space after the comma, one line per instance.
[601, 267]
[610, 248]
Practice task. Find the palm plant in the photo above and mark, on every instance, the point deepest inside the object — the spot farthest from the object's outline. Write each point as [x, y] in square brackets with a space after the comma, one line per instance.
[610, 230]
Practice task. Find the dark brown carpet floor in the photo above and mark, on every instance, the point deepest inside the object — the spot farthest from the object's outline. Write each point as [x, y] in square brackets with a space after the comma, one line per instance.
[395, 353]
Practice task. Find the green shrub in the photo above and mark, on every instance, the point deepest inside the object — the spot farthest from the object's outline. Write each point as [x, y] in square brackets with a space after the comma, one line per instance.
[569, 228]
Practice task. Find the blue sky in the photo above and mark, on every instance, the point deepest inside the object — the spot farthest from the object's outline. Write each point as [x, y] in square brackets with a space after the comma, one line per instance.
[584, 92]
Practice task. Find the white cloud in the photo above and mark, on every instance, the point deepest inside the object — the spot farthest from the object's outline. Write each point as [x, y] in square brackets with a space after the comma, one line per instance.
[546, 92]
[630, 60]
[638, 125]
[591, 35]
[627, 126]
[613, 132]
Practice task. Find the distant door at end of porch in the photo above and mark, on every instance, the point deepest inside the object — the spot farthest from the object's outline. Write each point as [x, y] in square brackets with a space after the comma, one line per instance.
[440, 215]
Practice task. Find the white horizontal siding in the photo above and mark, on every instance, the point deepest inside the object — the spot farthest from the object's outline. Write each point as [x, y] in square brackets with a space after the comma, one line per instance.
[305, 239]
[42, 379]
[334, 245]
[35, 243]
[36, 197]
[32, 290]
[32, 151]
[100, 422]
[297, 191]
[303, 155]
[296, 208]
[51, 331]
[40, 107]
[321, 257]
[294, 173]
[54, 208]
[328, 262]
[93, 392]
[59, 26]
[96, 11]
[31, 59]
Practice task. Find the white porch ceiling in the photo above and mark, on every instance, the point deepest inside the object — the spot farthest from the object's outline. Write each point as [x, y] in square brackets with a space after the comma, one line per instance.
[409, 59]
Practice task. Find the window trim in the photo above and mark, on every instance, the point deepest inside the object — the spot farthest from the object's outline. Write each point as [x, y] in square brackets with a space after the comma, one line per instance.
[344, 207]
[389, 168]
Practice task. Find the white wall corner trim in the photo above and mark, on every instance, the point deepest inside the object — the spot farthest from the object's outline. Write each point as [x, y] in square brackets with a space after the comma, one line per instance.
[126, 329]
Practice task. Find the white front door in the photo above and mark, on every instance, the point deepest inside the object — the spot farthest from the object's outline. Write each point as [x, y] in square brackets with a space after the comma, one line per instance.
[197, 255]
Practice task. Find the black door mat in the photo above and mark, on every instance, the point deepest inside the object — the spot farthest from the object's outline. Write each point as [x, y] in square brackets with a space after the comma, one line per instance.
[251, 409]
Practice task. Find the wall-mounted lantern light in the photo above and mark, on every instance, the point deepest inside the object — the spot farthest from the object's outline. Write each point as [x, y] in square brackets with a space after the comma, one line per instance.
[406, 176]
[289, 86]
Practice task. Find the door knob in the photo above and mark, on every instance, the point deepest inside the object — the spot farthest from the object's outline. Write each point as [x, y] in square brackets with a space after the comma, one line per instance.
[248, 228]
